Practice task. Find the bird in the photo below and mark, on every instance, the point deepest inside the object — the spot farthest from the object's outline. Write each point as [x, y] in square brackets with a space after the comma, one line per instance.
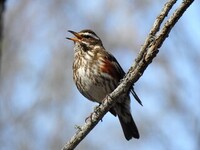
[96, 73]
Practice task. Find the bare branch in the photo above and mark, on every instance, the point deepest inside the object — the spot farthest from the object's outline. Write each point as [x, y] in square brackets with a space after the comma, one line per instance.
[147, 52]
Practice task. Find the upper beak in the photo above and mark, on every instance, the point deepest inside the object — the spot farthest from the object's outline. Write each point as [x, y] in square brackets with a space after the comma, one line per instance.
[77, 37]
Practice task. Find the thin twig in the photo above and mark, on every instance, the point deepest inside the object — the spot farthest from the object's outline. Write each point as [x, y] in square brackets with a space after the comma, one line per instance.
[156, 26]
[148, 51]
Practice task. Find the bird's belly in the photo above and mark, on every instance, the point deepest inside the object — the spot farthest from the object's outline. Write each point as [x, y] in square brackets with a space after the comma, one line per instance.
[92, 85]
[96, 92]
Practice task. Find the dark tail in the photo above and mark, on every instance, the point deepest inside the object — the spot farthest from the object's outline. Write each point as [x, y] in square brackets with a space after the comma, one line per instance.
[122, 109]
[129, 127]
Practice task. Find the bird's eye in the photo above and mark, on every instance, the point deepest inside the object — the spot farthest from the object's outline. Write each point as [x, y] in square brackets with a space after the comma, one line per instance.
[87, 36]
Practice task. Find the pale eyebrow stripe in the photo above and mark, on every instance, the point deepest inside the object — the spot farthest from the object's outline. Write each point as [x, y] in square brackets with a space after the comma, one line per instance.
[92, 35]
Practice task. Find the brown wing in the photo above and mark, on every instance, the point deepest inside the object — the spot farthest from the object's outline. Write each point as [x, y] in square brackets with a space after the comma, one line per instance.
[113, 68]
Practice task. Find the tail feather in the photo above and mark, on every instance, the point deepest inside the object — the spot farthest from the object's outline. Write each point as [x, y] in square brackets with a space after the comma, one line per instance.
[129, 127]
[122, 109]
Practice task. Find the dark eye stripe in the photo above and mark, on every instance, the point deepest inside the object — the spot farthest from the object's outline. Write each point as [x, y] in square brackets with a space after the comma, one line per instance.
[86, 36]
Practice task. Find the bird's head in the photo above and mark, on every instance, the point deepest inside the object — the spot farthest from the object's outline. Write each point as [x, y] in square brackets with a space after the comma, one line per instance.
[86, 38]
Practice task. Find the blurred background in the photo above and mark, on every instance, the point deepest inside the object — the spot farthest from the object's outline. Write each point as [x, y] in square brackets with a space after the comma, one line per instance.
[39, 103]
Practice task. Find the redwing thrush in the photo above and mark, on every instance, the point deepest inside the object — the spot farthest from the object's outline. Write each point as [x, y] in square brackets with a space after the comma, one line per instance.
[97, 73]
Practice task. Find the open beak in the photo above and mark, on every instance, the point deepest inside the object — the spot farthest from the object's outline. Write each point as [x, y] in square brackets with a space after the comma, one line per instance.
[77, 37]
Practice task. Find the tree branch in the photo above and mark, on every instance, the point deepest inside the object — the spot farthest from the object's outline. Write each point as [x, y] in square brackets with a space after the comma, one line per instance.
[146, 55]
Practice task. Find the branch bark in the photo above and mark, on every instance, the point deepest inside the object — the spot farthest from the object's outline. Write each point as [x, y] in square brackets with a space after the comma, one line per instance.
[146, 55]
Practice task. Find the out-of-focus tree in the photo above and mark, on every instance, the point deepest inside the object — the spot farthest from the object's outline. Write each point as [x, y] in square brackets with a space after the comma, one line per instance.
[2, 6]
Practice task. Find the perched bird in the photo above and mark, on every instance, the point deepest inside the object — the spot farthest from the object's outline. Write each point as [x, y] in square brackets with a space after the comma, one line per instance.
[97, 73]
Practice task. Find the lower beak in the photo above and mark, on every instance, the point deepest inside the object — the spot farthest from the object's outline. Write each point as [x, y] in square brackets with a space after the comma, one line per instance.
[77, 37]
[73, 39]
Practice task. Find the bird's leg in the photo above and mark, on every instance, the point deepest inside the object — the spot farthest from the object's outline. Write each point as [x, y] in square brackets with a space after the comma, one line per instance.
[96, 109]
